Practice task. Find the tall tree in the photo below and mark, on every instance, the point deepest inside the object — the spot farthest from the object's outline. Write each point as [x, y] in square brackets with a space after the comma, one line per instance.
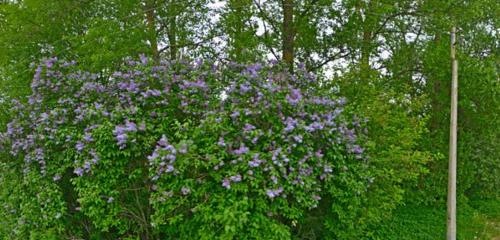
[239, 24]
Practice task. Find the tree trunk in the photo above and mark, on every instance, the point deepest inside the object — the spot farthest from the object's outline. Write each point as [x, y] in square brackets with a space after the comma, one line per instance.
[172, 32]
[365, 55]
[151, 29]
[435, 103]
[366, 47]
[288, 34]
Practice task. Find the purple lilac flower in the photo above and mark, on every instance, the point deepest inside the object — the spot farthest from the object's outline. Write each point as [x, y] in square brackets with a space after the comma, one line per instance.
[318, 154]
[242, 150]
[130, 86]
[235, 178]
[244, 88]
[274, 179]
[226, 183]
[256, 161]
[185, 190]
[130, 126]
[56, 178]
[248, 127]
[144, 59]
[356, 149]
[88, 137]
[314, 126]
[348, 134]
[235, 114]
[95, 157]
[275, 154]
[163, 141]
[121, 131]
[198, 84]
[272, 193]
[291, 123]
[10, 128]
[50, 62]
[298, 138]
[97, 106]
[253, 70]
[121, 136]
[44, 116]
[170, 168]
[342, 101]
[151, 93]
[78, 171]
[79, 146]
[294, 97]
[86, 166]
[221, 142]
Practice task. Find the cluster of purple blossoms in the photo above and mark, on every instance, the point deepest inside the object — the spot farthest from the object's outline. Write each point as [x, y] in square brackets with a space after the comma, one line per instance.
[248, 127]
[87, 165]
[221, 142]
[244, 88]
[151, 93]
[256, 161]
[163, 158]
[253, 70]
[242, 150]
[290, 123]
[121, 133]
[200, 83]
[314, 126]
[294, 97]
[130, 86]
[226, 183]
[272, 193]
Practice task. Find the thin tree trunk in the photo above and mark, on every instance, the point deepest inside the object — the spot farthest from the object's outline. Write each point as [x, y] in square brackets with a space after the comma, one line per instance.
[366, 42]
[172, 32]
[365, 55]
[288, 34]
[435, 103]
[151, 28]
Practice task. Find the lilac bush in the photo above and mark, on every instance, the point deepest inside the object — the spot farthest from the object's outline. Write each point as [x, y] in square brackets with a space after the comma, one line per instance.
[271, 145]
[199, 150]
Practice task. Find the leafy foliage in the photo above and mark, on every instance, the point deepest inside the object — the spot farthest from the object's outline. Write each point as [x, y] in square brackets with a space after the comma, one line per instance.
[210, 157]
[389, 58]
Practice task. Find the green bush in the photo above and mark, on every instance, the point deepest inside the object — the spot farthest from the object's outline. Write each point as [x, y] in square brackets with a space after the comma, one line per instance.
[180, 151]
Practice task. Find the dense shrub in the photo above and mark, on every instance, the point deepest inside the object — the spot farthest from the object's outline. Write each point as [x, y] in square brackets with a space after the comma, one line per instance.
[179, 150]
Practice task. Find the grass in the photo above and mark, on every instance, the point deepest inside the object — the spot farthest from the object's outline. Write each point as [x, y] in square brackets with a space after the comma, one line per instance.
[479, 219]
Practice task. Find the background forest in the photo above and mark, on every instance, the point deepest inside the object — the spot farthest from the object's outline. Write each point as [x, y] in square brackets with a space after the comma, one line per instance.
[389, 59]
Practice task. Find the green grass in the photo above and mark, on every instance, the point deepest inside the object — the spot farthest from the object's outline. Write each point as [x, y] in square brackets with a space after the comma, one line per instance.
[475, 220]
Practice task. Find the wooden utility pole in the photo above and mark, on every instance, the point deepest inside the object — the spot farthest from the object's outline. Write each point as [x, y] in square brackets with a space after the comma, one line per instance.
[451, 233]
